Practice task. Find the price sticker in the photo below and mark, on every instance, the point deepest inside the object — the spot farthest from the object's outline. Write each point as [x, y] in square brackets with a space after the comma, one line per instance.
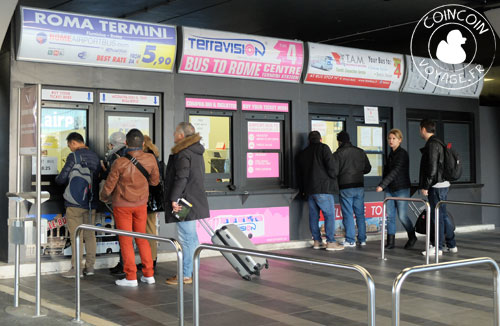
[157, 56]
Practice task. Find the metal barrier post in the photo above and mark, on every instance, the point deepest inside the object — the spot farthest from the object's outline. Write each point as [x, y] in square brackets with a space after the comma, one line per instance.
[465, 203]
[370, 284]
[173, 242]
[398, 282]
[428, 224]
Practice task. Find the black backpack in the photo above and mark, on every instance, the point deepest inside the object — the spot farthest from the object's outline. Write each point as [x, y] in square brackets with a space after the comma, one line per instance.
[452, 167]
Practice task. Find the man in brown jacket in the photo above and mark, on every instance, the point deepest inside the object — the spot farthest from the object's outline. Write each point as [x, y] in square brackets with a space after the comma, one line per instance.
[129, 188]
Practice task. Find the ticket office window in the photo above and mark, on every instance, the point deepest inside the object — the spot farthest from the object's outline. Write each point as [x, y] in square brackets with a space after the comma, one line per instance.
[57, 122]
[328, 127]
[455, 128]
[215, 130]
[329, 119]
[264, 142]
[372, 139]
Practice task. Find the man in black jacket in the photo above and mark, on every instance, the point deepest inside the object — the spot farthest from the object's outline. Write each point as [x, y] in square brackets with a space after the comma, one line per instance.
[352, 164]
[433, 185]
[77, 214]
[317, 179]
[185, 179]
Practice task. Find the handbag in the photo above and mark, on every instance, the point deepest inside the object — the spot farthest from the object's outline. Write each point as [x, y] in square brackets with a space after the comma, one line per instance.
[420, 226]
[156, 198]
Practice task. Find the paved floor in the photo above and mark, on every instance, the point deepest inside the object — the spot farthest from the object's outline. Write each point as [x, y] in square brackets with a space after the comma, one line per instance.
[286, 294]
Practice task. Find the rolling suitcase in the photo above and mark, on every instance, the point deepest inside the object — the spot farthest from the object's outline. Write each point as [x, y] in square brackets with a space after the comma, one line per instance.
[230, 235]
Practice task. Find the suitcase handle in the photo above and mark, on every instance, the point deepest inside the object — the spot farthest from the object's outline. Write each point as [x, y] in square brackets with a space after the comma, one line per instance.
[207, 227]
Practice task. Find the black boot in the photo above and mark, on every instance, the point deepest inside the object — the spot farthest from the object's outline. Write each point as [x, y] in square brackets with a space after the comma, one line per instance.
[390, 241]
[412, 238]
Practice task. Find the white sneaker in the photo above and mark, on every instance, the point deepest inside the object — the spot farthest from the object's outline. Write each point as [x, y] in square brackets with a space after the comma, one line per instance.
[149, 280]
[125, 282]
[432, 251]
[349, 244]
[453, 250]
[362, 243]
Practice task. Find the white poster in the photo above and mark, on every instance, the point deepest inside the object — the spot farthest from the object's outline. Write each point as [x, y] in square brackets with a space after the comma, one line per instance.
[202, 126]
[371, 115]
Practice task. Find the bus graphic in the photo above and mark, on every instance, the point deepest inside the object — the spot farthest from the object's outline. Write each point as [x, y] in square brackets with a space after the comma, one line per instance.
[323, 63]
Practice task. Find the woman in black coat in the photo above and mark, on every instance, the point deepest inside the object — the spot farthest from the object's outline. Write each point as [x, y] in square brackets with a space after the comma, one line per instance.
[396, 183]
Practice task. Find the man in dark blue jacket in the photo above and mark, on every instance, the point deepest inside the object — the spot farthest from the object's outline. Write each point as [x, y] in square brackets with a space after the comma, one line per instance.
[79, 214]
[317, 179]
[353, 164]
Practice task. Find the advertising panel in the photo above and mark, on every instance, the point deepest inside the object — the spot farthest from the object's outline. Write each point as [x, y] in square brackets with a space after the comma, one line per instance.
[435, 80]
[340, 66]
[373, 219]
[59, 37]
[263, 135]
[261, 225]
[263, 165]
[214, 53]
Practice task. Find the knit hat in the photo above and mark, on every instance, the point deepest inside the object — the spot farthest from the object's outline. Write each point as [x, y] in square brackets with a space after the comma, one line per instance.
[117, 138]
[343, 137]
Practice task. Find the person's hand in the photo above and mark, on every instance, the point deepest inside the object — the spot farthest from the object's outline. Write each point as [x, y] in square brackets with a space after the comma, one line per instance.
[380, 189]
[103, 166]
[424, 192]
[176, 207]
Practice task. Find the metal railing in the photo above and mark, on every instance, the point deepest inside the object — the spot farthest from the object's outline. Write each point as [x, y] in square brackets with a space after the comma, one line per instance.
[370, 284]
[398, 282]
[173, 242]
[427, 224]
[465, 203]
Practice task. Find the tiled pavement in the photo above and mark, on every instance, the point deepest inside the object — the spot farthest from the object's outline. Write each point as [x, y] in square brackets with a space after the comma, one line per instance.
[287, 293]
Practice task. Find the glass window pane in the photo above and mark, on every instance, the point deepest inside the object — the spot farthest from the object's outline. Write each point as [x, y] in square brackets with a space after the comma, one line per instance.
[458, 134]
[215, 137]
[328, 131]
[56, 125]
[377, 163]
[125, 123]
[370, 138]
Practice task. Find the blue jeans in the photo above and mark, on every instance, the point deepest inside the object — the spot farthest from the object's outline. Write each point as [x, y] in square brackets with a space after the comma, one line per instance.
[446, 231]
[325, 203]
[353, 198]
[188, 239]
[401, 207]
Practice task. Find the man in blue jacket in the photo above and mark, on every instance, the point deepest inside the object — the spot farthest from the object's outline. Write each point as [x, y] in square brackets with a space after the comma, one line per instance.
[79, 214]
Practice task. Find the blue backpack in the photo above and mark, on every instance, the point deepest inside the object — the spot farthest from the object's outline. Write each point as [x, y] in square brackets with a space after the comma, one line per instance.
[79, 189]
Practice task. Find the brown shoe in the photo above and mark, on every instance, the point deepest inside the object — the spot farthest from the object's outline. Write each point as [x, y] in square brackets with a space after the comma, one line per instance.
[334, 246]
[173, 280]
[317, 245]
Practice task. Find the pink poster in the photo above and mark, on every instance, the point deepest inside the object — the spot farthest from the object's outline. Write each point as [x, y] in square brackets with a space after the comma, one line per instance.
[261, 225]
[373, 218]
[264, 106]
[263, 165]
[263, 135]
[209, 103]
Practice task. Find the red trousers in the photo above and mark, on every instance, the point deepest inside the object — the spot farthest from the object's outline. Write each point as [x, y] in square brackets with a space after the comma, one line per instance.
[134, 219]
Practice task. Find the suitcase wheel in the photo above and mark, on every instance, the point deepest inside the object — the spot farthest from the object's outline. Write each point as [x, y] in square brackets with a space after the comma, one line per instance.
[257, 272]
[247, 278]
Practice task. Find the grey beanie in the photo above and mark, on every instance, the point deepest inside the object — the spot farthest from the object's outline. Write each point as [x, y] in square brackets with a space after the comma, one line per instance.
[117, 138]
